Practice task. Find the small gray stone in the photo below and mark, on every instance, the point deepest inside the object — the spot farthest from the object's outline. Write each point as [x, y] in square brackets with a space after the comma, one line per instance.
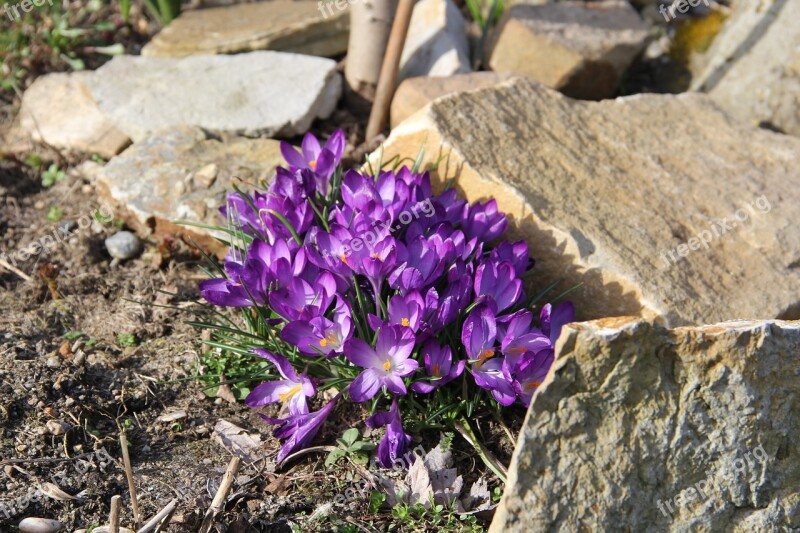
[57, 427]
[123, 245]
[53, 362]
[39, 525]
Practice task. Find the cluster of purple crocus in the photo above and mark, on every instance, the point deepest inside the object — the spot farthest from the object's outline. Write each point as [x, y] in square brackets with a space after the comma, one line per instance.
[417, 306]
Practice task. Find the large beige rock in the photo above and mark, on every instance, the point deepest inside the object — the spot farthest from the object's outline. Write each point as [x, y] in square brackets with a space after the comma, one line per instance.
[638, 428]
[302, 26]
[753, 67]
[415, 93]
[618, 194]
[59, 110]
[436, 44]
[183, 175]
[257, 93]
[580, 48]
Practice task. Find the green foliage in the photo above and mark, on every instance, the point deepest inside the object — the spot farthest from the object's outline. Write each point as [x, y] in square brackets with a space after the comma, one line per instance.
[73, 335]
[162, 10]
[54, 214]
[376, 501]
[350, 445]
[437, 517]
[234, 369]
[52, 175]
[126, 340]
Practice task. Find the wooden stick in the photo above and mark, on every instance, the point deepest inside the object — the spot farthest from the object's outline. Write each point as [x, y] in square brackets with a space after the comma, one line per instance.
[218, 503]
[387, 83]
[165, 522]
[163, 514]
[123, 441]
[113, 521]
[11, 268]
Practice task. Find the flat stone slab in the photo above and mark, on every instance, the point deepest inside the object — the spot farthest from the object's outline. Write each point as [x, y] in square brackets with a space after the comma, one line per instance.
[639, 428]
[753, 67]
[184, 174]
[269, 93]
[579, 48]
[660, 205]
[282, 25]
[415, 93]
[59, 110]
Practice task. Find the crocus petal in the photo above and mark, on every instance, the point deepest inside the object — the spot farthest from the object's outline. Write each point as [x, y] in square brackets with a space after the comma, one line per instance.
[360, 353]
[365, 386]
[395, 385]
[291, 156]
[266, 393]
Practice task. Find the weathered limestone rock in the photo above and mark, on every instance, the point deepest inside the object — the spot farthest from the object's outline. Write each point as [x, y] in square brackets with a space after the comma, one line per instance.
[270, 93]
[638, 428]
[415, 93]
[303, 27]
[59, 110]
[580, 48]
[184, 174]
[637, 198]
[436, 44]
[753, 67]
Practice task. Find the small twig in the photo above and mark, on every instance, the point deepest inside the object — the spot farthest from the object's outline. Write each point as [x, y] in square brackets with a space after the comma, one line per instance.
[218, 503]
[123, 441]
[113, 520]
[11, 268]
[162, 514]
[45, 459]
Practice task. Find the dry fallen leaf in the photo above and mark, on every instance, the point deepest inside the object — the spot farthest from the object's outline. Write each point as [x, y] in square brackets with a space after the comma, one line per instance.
[52, 491]
[246, 446]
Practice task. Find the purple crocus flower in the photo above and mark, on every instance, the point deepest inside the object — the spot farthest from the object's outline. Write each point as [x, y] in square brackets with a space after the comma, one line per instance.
[320, 335]
[498, 284]
[420, 264]
[406, 310]
[517, 337]
[297, 431]
[321, 161]
[530, 373]
[301, 299]
[515, 253]
[395, 442]
[553, 320]
[292, 390]
[479, 333]
[489, 375]
[483, 221]
[386, 365]
[439, 366]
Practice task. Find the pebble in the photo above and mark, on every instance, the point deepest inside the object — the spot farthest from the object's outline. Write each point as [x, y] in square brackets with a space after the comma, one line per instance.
[39, 525]
[53, 362]
[57, 427]
[123, 245]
